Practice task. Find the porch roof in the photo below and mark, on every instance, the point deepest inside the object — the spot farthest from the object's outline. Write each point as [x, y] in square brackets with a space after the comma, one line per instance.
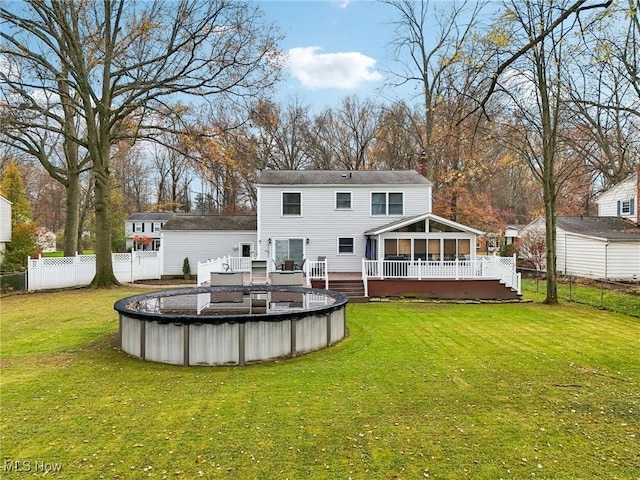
[403, 222]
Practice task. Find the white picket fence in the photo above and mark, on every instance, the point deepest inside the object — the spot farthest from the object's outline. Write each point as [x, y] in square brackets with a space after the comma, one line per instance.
[45, 273]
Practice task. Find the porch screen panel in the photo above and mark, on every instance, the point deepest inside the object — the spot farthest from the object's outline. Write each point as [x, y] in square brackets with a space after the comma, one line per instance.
[434, 249]
[449, 249]
[390, 247]
[464, 247]
[404, 247]
[420, 249]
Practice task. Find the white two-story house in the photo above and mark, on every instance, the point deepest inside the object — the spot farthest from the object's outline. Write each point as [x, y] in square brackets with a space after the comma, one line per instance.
[374, 228]
[143, 230]
[345, 217]
[621, 200]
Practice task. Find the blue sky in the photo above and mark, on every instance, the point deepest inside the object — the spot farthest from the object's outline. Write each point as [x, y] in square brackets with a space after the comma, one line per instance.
[336, 48]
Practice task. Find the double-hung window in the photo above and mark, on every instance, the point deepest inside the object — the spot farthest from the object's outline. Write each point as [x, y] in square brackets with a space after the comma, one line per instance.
[387, 203]
[138, 227]
[345, 245]
[291, 203]
[343, 200]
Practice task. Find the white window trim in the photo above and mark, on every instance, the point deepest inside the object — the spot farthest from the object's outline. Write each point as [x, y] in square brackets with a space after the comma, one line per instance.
[353, 252]
[137, 227]
[282, 214]
[156, 226]
[386, 214]
[625, 207]
[350, 200]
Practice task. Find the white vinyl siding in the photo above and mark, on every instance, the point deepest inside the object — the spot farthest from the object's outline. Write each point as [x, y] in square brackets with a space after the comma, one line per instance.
[596, 258]
[199, 246]
[5, 220]
[612, 202]
[322, 224]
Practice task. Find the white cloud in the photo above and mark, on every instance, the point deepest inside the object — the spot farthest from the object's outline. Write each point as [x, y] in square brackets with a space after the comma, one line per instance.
[344, 70]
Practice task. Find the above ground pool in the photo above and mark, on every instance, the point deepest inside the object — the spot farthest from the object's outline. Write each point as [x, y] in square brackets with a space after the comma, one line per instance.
[230, 325]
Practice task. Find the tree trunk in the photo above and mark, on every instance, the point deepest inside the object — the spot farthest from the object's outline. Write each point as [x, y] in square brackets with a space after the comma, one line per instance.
[72, 220]
[550, 242]
[104, 266]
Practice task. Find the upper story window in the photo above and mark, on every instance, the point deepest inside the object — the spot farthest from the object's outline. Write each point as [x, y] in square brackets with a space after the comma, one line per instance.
[291, 203]
[387, 203]
[343, 200]
[626, 207]
[138, 227]
[156, 226]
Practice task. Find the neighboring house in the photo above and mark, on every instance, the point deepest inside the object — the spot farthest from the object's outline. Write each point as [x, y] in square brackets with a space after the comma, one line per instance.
[621, 200]
[511, 234]
[5, 223]
[201, 237]
[46, 239]
[143, 230]
[592, 247]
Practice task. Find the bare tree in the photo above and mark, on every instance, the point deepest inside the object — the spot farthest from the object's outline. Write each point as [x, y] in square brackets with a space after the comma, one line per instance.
[123, 64]
[344, 136]
[282, 134]
[536, 105]
[429, 62]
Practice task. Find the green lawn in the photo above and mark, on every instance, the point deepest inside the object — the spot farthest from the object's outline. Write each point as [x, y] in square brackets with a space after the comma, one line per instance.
[417, 390]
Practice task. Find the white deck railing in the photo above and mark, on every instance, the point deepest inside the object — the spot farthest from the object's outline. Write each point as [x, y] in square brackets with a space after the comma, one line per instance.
[317, 270]
[313, 269]
[489, 267]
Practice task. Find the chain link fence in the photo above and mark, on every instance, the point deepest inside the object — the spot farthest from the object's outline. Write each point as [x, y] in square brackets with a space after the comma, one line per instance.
[13, 282]
[616, 296]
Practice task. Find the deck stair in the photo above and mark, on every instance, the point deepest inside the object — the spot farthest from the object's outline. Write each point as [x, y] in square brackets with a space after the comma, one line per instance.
[353, 288]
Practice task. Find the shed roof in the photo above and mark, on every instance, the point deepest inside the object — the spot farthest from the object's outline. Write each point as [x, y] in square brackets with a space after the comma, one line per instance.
[193, 222]
[346, 177]
[608, 228]
[150, 216]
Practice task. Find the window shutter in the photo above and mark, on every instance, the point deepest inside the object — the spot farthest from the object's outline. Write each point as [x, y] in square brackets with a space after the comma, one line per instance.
[619, 208]
[143, 226]
[632, 206]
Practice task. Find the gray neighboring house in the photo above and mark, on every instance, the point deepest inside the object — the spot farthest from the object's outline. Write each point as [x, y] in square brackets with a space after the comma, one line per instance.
[596, 247]
[141, 224]
[203, 237]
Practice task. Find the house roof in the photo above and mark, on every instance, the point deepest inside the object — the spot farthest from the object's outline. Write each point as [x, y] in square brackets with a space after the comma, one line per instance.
[631, 179]
[333, 177]
[388, 227]
[150, 216]
[212, 222]
[607, 228]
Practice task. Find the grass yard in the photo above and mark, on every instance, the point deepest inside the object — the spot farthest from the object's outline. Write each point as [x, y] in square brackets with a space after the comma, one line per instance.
[417, 390]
